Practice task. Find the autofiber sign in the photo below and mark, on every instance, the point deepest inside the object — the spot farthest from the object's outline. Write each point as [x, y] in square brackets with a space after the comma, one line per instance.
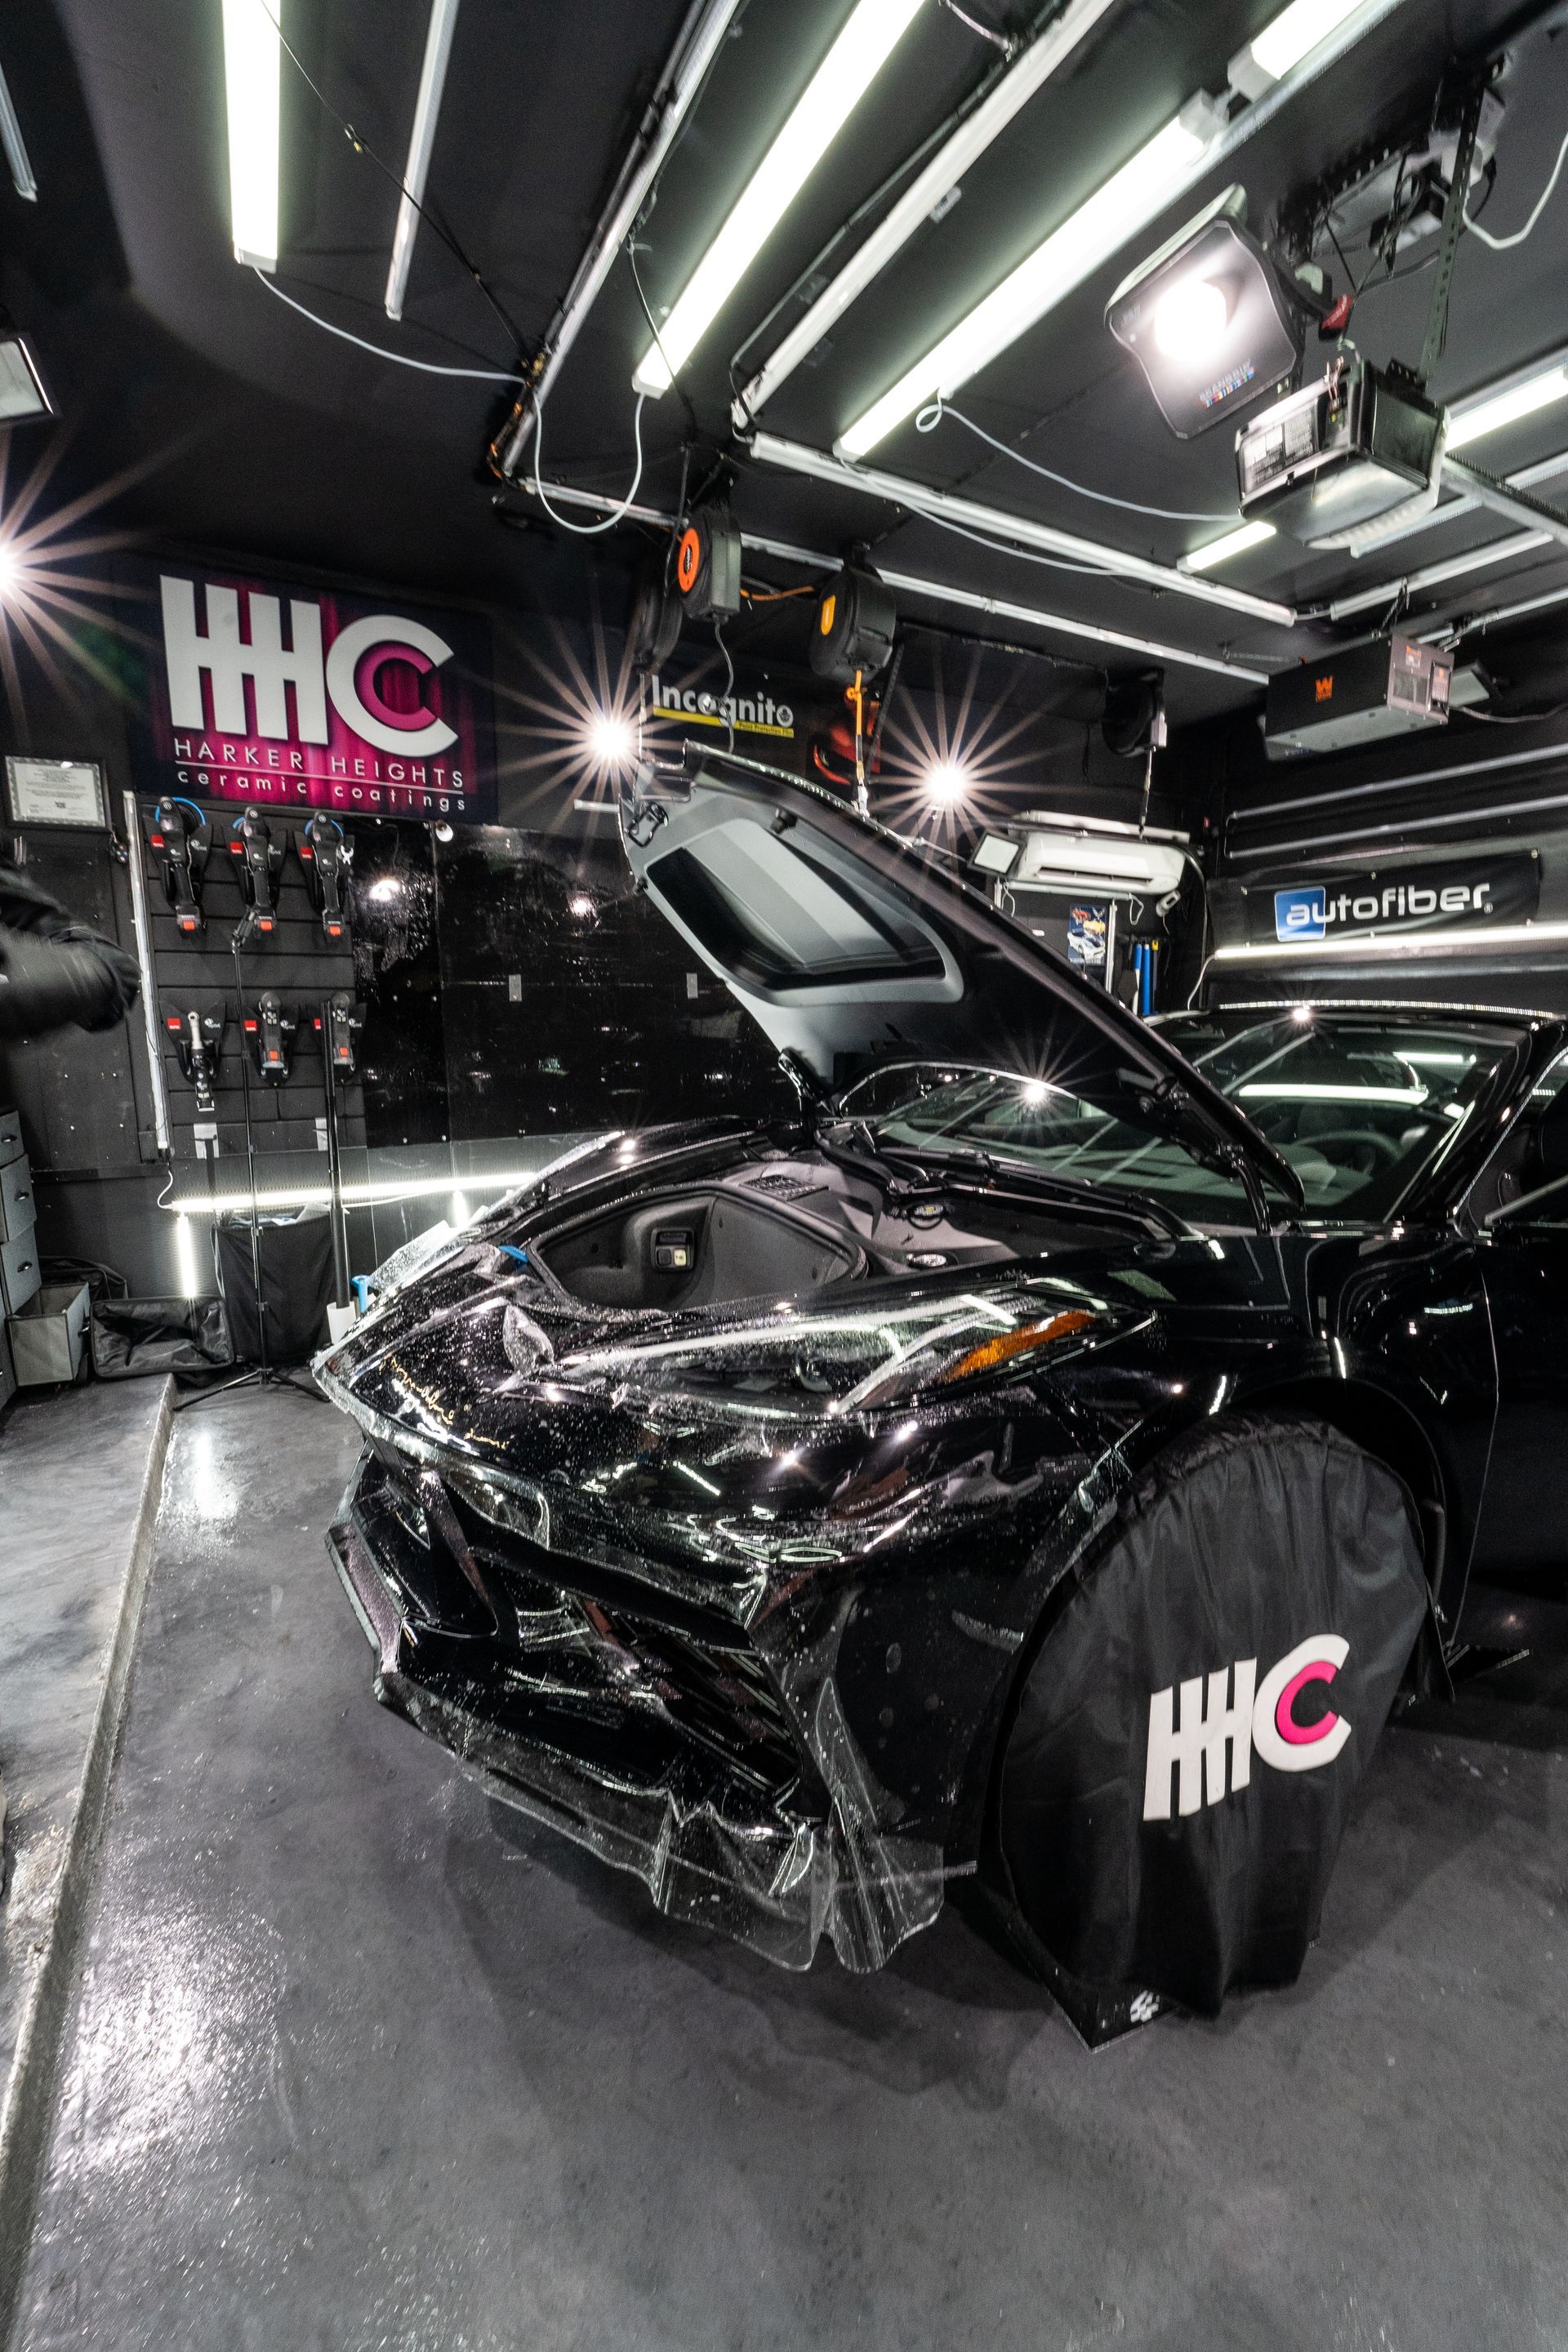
[293, 696]
[1465, 894]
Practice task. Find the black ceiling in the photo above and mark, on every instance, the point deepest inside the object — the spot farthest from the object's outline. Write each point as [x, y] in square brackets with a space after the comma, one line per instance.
[258, 433]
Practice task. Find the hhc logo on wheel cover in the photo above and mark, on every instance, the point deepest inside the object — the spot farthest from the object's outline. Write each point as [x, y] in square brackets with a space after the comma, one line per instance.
[1221, 1718]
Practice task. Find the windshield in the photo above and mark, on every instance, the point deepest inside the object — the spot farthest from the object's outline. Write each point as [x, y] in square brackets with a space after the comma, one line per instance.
[1359, 1103]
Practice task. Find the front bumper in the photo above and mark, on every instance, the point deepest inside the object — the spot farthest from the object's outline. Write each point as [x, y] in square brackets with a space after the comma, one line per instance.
[667, 1738]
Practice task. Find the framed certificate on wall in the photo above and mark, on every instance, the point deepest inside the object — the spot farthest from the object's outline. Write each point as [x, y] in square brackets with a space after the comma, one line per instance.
[55, 792]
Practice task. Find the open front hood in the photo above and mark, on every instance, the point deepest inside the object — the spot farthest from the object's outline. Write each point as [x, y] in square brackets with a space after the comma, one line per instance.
[850, 946]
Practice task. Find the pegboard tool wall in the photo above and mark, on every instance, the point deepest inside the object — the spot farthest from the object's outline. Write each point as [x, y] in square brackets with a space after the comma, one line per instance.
[297, 963]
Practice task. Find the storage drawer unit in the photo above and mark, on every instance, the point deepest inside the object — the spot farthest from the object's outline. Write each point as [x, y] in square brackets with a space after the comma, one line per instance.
[17, 1211]
[19, 1272]
[10, 1136]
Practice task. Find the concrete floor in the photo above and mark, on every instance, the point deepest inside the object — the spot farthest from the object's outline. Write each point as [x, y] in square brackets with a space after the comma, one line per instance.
[364, 2061]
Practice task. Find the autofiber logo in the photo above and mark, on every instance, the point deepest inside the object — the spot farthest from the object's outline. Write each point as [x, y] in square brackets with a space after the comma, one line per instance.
[1300, 914]
[1203, 1730]
[1412, 898]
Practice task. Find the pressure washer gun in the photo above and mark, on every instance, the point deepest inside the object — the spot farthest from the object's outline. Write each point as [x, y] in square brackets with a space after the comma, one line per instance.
[270, 1034]
[325, 856]
[260, 863]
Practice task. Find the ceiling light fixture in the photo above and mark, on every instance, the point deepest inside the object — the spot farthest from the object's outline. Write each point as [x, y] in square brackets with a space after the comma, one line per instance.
[16, 147]
[1210, 319]
[947, 782]
[998, 523]
[1282, 46]
[1192, 142]
[1220, 550]
[1027, 73]
[863, 47]
[1469, 420]
[252, 65]
[612, 741]
[22, 393]
[427, 107]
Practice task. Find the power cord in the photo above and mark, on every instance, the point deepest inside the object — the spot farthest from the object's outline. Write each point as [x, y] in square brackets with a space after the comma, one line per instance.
[932, 413]
[587, 530]
[1505, 244]
[379, 351]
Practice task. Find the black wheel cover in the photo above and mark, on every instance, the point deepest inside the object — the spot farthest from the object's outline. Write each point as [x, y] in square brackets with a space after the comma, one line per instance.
[1267, 1538]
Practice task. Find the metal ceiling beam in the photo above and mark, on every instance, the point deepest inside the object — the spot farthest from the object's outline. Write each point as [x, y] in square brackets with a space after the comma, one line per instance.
[427, 109]
[1505, 499]
[938, 592]
[1028, 72]
[995, 523]
[685, 70]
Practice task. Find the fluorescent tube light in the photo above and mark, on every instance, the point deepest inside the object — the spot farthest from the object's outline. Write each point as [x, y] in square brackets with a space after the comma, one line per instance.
[1192, 142]
[1468, 422]
[1029, 71]
[1401, 943]
[185, 1259]
[1293, 34]
[1220, 550]
[1128, 199]
[22, 392]
[867, 41]
[252, 65]
[427, 107]
[998, 524]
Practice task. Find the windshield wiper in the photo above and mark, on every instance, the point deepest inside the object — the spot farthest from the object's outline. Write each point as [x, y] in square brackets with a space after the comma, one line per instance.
[1123, 1206]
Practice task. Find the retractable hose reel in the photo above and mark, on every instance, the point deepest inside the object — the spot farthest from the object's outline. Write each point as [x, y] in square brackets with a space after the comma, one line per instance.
[852, 643]
[180, 838]
[1133, 725]
[326, 854]
[708, 565]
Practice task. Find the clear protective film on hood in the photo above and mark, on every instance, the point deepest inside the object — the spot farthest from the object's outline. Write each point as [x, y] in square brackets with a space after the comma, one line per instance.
[850, 946]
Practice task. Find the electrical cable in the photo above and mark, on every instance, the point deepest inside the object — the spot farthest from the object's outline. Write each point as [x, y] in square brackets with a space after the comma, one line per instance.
[1024, 554]
[1505, 244]
[587, 530]
[647, 312]
[378, 351]
[362, 147]
[931, 414]
[729, 682]
[1512, 718]
[984, 32]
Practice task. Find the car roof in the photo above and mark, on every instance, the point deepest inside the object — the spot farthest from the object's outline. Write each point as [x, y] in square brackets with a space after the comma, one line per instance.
[1421, 1008]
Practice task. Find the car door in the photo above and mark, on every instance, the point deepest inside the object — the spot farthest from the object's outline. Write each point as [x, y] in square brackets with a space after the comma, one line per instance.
[1521, 1212]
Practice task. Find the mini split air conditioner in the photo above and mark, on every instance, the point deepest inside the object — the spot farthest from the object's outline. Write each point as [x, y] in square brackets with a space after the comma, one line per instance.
[1071, 857]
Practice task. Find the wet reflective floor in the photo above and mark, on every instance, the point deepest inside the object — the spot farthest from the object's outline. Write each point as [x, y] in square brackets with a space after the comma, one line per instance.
[363, 2061]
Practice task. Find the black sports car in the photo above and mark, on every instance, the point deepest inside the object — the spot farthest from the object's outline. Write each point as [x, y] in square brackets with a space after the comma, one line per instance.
[1033, 1471]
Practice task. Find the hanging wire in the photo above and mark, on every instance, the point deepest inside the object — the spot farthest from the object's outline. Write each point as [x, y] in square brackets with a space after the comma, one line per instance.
[932, 413]
[379, 351]
[362, 147]
[1506, 244]
[587, 530]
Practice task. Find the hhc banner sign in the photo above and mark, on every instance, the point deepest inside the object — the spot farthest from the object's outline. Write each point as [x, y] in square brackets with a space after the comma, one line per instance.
[297, 697]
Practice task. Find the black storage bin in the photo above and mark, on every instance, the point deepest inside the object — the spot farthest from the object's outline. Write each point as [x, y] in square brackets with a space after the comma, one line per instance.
[133, 1339]
[295, 1256]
